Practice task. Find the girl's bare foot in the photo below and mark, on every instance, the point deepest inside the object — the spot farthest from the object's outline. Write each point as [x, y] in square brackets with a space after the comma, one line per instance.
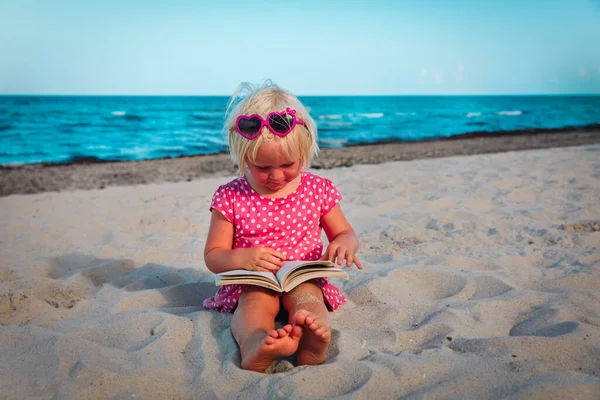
[316, 337]
[278, 343]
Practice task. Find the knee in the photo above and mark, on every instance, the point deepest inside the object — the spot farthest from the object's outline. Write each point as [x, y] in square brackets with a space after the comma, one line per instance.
[259, 298]
[307, 293]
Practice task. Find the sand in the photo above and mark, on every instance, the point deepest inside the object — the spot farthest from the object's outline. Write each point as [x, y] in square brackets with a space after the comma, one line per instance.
[481, 280]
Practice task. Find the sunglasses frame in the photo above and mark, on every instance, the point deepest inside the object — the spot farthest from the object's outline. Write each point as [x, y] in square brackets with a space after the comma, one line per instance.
[265, 122]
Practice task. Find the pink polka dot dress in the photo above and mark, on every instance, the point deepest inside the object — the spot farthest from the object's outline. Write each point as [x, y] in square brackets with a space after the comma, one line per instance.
[290, 225]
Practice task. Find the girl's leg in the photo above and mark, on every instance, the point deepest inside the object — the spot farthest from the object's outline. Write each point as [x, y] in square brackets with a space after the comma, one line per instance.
[253, 327]
[306, 308]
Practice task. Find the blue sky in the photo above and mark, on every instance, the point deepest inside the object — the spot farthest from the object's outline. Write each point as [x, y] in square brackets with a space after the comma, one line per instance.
[338, 47]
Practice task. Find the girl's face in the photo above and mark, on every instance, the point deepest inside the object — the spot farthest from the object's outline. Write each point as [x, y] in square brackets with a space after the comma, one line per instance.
[272, 170]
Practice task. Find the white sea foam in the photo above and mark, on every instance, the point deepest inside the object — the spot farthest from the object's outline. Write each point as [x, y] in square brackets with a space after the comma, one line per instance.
[338, 124]
[136, 150]
[331, 116]
[408, 113]
[119, 113]
[371, 115]
[516, 112]
[473, 114]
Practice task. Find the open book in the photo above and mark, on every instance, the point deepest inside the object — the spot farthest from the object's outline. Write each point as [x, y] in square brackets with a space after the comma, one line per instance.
[290, 275]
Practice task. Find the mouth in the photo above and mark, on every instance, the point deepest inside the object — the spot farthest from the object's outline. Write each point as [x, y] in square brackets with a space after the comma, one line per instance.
[275, 184]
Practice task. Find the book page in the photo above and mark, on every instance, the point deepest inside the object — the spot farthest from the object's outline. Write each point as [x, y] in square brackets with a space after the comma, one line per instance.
[290, 266]
[244, 272]
[305, 274]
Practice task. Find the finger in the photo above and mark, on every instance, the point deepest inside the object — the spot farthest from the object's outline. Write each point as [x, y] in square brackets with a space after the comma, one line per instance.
[357, 263]
[273, 260]
[329, 254]
[266, 266]
[341, 255]
[275, 253]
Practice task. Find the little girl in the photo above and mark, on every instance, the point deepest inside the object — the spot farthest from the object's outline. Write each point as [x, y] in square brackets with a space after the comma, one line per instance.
[272, 213]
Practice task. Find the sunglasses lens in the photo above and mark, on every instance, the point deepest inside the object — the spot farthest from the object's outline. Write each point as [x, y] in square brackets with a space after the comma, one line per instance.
[249, 126]
[281, 123]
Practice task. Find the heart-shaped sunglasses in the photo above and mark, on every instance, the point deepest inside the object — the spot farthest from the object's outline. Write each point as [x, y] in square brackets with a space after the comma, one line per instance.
[280, 123]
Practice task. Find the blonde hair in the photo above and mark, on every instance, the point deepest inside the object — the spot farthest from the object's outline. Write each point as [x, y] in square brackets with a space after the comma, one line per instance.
[249, 99]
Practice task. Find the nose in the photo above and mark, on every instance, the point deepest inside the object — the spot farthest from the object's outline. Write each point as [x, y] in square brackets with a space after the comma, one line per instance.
[276, 174]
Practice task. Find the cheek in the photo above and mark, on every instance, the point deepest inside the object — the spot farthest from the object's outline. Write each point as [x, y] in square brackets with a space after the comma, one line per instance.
[261, 176]
[292, 173]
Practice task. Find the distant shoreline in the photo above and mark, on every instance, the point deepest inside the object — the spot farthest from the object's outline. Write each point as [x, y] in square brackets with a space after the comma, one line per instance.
[84, 160]
[85, 175]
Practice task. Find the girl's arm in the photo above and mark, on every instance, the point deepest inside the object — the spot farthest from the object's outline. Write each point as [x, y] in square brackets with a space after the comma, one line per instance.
[343, 243]
[220, 256]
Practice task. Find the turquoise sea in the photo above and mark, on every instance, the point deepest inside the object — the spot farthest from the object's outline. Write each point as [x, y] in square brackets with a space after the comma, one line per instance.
[61, 129]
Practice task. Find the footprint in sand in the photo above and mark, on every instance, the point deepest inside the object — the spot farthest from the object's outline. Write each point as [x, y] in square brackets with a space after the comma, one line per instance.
[487, 287]
[31, 298]
[154, 276]
[539, 322]
[331, 380]
[580, 227]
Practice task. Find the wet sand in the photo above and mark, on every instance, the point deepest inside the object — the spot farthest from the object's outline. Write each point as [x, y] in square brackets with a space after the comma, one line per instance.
[59, 177]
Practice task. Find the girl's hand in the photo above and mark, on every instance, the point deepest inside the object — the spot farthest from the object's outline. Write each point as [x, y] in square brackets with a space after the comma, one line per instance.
[264, 259]
[341, 250]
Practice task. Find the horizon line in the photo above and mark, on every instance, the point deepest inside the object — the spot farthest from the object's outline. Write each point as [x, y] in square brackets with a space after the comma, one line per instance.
[300, 95]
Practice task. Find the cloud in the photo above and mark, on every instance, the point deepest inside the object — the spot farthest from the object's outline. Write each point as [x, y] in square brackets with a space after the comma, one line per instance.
[460, 72]
[422, 76]
[438, 77]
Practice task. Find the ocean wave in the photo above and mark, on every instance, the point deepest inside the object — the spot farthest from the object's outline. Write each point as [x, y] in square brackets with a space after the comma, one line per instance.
[220, 141]
[334, 124]
[208, 115]
[476, 123]
[74, 124]
[473, 114]
[371, 115]
[515, 112]
[405, 113]
[133, 117]
[330, 116]
[129, 117]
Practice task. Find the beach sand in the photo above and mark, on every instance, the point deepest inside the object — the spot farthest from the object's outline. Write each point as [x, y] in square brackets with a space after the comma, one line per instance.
[481, 280]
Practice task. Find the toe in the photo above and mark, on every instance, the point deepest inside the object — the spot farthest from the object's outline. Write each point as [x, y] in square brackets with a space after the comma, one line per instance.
[281, 333]
[269, 340]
